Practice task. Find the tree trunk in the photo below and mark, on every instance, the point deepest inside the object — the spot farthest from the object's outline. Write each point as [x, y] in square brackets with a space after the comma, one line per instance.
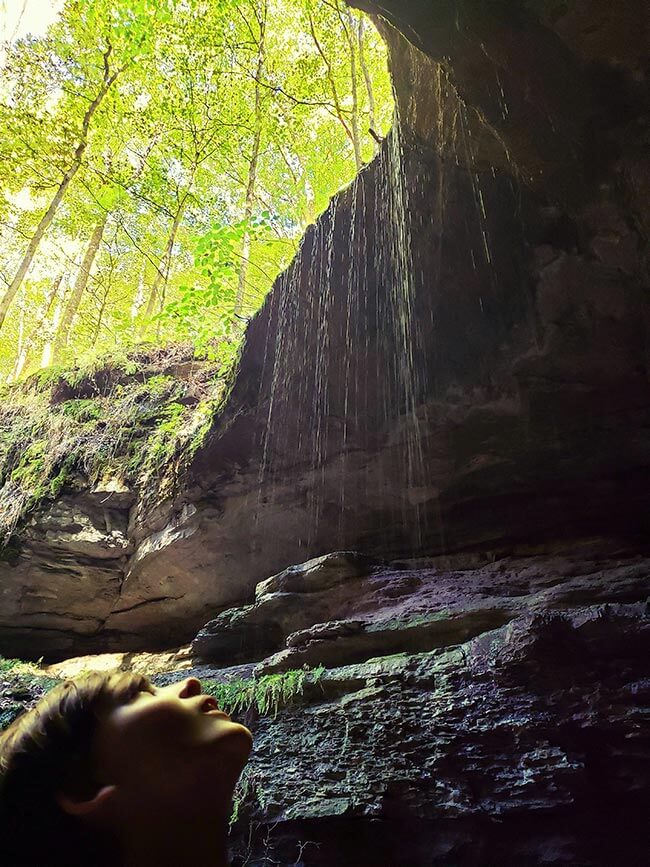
[48, 216]
[163, 272]
[366, 75]
[138, 299]
[37, 330]
[50, 331]
[330, 77]
[100, 318]
[354, 121]
[21, 347]
[252, 166]
[79, 287]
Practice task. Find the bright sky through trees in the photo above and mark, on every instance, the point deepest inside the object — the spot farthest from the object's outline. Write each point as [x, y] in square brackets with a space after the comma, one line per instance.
[160, 160]
[20, 17]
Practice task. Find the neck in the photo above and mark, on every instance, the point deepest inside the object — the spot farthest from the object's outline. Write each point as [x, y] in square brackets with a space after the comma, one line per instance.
[179, 841]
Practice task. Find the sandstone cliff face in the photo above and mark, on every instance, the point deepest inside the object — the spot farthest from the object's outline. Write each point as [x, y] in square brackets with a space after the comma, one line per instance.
[517, 190]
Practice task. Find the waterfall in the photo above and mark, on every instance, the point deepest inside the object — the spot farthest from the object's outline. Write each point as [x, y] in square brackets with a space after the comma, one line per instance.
[345, 364]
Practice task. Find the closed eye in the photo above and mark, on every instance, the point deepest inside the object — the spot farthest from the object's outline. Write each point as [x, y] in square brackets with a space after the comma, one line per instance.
[144, 693]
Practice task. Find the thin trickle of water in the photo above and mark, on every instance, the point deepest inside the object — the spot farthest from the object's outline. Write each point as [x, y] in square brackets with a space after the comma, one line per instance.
[356, 241]
[283, 312]
[320, 421]
[347, 370]
[502, 96]
[394, 268]
[476, 183]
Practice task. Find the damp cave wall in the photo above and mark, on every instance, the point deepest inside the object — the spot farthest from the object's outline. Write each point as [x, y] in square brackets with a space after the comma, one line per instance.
[524, 167]
[524, 130]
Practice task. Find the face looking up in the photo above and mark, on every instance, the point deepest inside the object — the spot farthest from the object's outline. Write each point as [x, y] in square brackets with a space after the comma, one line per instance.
[168, 748]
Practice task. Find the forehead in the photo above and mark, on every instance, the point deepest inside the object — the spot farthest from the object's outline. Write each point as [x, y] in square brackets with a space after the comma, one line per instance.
[117, 706]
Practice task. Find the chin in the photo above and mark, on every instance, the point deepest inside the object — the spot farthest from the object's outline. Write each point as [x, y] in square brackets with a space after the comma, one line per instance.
[236, 738]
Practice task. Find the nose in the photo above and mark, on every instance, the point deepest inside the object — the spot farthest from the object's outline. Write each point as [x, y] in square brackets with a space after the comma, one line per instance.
[189, 687]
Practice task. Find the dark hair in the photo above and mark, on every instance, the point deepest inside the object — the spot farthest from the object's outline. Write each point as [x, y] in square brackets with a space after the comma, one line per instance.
[48, 750]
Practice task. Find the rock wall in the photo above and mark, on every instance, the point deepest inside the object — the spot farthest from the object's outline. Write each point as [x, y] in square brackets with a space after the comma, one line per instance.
[456, 360]
[471, 713]
[457, 711]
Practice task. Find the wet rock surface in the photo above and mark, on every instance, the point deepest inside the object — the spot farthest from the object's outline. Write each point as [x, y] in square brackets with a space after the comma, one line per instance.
[523, 742]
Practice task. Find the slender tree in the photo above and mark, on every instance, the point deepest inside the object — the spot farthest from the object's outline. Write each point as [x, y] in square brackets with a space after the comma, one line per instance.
[25, 348]
[347, 24]
[366, 72]
[261, 14]
[79, 287]
[51, 323]
[109, 76]
[162, 271]
[340, 114]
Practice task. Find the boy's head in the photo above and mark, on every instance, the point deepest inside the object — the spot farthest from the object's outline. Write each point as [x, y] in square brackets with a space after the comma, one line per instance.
[102, 759]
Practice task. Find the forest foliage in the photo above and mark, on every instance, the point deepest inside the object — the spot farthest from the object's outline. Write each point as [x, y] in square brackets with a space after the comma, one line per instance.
[160, 160]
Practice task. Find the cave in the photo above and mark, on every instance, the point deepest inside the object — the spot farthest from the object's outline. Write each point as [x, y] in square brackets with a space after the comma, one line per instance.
[429, 483]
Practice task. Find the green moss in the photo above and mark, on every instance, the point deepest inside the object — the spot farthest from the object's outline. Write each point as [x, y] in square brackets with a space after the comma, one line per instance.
[46, 378]
[160, 385]
[17, 666]
[135, 456]
[139, 425]
[29, 469]
[163, 443]
[267, 695]
[245, 790]
[204, 416]
[81, 410]
[57, 483]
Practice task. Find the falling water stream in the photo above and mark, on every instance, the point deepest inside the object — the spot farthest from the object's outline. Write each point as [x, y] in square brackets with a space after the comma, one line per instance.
[323, 401]
[354, 346]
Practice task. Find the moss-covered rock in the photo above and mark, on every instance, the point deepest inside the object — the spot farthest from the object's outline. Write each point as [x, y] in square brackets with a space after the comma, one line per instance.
[22, 684]
[130, 417]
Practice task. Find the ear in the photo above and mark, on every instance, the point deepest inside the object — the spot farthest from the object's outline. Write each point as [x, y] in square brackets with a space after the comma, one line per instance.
[95, 806]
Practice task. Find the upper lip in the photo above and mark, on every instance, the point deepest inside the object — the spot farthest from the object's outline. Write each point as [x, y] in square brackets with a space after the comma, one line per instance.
[209, 704]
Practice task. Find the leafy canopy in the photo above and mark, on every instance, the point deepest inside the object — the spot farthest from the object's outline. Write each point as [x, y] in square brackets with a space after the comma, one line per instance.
[220, 131]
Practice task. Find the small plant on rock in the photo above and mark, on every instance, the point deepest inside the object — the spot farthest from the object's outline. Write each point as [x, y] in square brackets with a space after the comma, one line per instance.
[267, 695]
